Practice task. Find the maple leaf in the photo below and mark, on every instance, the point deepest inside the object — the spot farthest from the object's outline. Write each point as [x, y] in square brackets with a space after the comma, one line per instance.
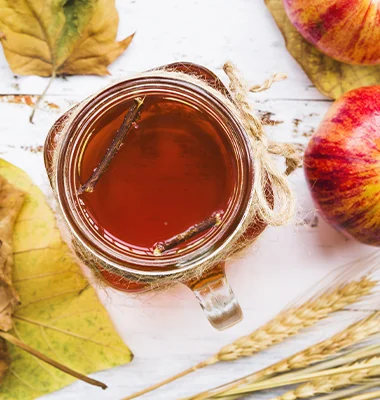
[52, 37]
[60, 315]
[332, 78]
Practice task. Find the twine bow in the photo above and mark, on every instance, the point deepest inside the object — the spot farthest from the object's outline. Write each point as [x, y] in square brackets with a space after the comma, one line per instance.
[266, 173]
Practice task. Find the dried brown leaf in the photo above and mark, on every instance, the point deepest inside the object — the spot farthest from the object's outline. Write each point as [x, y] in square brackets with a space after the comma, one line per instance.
[5, 360]
[11, 200]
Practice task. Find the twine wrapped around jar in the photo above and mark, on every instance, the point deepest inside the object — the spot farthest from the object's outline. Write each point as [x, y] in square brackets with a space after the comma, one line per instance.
[273, 201]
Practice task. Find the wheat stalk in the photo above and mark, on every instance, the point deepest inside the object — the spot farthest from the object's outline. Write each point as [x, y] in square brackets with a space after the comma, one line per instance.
[344, 394]
[293, 320]
[355, 333]
[287, 323]
[331, 383]
[348, 357]
[370, 352]
[275, 383]
[366, 396]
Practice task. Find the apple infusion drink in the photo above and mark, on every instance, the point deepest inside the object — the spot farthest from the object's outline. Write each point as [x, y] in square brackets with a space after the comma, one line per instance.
[153, 176]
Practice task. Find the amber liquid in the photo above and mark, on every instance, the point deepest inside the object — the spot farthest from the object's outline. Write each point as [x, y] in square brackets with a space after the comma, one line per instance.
[173, 170]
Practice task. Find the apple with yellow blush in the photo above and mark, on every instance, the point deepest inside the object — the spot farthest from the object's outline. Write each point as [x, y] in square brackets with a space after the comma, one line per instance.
[342, 165]
[346, 30]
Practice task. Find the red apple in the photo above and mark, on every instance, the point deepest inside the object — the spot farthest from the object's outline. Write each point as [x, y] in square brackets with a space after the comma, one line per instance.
[347, 30]
[342, 165]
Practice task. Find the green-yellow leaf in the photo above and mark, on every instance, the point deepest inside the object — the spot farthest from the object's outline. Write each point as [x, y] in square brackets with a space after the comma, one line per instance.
[50, 37]
[60, 314]
[332, 78]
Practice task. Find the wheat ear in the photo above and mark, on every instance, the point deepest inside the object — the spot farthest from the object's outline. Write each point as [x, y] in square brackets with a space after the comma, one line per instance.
[293, 320]
[282, 381]
[286, 324]
[276, 383]
[370, 353]
[334, 382]
[354, 334]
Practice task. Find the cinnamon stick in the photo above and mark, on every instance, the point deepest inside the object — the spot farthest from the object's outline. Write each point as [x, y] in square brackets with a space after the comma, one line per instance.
[214, 220]
[117, 142]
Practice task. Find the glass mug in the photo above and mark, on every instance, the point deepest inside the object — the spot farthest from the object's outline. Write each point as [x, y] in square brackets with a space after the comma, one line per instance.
[120, 267]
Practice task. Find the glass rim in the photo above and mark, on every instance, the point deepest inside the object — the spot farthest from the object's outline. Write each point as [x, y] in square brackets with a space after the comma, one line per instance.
[125, 90]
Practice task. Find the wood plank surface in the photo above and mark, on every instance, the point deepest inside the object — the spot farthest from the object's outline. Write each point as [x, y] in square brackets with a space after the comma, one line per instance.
[167, 331]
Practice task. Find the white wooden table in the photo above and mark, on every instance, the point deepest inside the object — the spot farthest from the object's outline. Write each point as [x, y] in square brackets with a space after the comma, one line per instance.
[167, 331]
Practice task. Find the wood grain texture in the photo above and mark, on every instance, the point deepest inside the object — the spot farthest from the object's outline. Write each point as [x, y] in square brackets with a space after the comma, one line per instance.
[167, 331]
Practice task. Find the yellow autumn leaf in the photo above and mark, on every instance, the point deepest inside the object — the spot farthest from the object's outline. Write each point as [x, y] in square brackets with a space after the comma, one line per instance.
[49, 37]
[60, 314]
[332, 78]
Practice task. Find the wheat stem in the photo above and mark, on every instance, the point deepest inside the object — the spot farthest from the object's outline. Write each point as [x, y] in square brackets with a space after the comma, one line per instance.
[331, 383]
[275, 383]
[370, 372]
[287, 323]
[353, 334]
[343, 394]
[366, 396]
[291, 321]
[350, 357]
[166, 381]
[340, 395]
[347, 358]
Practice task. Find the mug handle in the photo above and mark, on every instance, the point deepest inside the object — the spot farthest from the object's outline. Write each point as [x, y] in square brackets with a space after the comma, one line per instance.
[216, 298]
